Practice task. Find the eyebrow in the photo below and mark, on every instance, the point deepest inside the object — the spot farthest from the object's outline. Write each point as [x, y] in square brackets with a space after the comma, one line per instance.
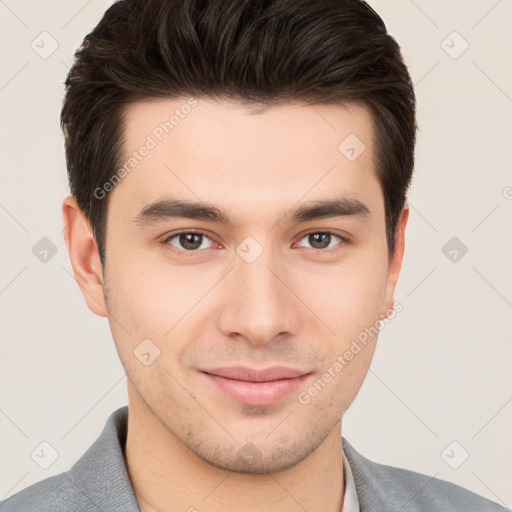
[170, 208]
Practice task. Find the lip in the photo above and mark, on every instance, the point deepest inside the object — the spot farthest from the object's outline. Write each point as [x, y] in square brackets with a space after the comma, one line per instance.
[256, 387]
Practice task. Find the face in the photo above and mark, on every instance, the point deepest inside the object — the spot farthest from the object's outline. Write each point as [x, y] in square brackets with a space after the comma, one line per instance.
[202, 302]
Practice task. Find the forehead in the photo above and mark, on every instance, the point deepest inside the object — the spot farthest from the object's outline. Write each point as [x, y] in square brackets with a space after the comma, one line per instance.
[225, 153]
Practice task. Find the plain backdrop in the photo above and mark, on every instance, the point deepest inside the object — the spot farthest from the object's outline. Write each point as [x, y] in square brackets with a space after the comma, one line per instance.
[440, 386]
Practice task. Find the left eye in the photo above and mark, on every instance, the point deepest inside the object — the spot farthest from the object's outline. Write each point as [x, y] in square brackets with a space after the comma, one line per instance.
[189, 240]
[321, 239]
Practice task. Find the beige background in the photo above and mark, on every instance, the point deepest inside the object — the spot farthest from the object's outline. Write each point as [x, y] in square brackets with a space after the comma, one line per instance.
[442, 370]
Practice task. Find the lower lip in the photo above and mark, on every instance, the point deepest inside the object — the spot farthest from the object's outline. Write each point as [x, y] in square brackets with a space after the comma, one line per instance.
[257, 393]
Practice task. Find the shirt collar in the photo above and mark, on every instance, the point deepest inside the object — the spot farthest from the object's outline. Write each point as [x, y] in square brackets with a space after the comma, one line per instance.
[350, 499]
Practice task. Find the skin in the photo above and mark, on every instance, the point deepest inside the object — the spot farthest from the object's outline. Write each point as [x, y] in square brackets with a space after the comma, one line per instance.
[298, 304]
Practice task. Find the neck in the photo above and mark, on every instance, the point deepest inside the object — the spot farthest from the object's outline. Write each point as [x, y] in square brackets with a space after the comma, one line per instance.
[167, 476]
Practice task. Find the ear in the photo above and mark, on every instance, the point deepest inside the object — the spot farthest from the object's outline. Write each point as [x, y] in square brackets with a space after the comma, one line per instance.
[395, 263]
[84, 256]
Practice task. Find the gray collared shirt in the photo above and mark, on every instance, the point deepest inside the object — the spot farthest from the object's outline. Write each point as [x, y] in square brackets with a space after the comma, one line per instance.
[99, 482]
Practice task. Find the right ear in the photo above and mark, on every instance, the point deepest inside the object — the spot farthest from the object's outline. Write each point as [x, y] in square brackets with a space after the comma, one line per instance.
[84, 255]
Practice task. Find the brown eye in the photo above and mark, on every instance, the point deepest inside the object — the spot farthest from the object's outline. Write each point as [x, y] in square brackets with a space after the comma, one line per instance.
[322, 239]
[187, 240]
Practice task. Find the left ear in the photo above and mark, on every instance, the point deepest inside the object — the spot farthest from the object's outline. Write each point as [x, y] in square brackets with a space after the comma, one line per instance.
[395, 264]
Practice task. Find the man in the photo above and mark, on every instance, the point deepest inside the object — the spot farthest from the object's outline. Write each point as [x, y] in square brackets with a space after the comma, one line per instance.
[238, 172]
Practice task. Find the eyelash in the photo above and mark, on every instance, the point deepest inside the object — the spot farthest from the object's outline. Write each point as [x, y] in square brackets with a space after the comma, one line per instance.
[198, 232]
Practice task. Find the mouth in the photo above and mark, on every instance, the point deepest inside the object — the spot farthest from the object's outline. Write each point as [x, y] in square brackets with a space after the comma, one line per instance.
[256, 387]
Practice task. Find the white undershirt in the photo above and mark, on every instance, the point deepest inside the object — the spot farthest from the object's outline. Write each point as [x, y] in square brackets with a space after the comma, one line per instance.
[350, 500]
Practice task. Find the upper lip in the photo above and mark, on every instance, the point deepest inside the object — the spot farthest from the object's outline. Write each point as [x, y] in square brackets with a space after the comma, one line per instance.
[251, 375]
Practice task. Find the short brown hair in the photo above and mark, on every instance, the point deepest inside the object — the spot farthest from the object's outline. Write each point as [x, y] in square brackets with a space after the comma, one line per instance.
[261, 52]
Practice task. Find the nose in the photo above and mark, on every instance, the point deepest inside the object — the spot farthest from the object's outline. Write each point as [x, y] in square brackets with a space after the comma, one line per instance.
[260, 304]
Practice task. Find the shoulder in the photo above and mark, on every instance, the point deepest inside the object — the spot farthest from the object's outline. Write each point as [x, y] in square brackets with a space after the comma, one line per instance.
[382, 487]
[422, 492]
[53, 494]
[97, 481]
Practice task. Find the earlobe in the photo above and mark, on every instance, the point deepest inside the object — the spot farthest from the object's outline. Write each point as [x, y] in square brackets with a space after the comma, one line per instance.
[395, 263]
[83, 254]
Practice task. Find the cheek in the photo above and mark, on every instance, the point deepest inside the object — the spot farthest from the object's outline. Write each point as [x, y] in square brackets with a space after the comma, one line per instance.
[148, 297]
[151, 310]
[348, 296]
